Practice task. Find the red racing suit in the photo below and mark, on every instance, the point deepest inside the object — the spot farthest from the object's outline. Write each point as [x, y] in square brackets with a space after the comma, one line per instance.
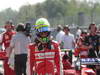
[46, 61]
[87, 71]
[6, 38]
[81, 49]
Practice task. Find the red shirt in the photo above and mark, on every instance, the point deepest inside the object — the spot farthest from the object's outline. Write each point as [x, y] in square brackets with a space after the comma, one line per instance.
[80, 48]
[7, 38]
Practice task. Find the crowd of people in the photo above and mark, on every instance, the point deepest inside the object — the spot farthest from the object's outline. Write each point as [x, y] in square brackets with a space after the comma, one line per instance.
[44, 54]
[86, 44]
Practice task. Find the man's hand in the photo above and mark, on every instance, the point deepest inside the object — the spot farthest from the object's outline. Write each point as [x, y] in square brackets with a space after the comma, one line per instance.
[8, 51]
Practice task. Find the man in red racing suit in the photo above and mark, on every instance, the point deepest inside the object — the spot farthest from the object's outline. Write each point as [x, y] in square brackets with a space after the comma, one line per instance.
[6, 38]
[45, 53]
[46, 62]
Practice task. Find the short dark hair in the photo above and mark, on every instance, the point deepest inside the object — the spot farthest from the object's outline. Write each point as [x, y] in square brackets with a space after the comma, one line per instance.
[84, 32]
[66, 26]
[9, 22]
[92, 25]
[20, 27]
[59, 27]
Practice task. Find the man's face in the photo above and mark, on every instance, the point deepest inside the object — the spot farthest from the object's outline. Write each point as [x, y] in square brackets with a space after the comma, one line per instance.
[66, 30]
[93, 28]
[43, 34]
[8, 27]
[84, 35]
[44, 37]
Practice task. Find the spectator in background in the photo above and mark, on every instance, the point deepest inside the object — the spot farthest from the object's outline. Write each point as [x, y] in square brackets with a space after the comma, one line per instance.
[59, 34]
[6, 36]
[5, 42]
[68, 41]
[93, 42]
[80, 47]
[19, 44]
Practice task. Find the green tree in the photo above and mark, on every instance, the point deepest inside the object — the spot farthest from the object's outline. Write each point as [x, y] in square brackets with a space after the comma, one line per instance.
[26, 13]
[7, 14]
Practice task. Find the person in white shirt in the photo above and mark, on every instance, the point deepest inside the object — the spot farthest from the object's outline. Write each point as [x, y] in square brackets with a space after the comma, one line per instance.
[68, 39]
[19, 44]
[59, 34]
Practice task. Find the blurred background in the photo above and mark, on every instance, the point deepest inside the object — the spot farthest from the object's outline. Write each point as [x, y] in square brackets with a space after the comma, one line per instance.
[73, 12]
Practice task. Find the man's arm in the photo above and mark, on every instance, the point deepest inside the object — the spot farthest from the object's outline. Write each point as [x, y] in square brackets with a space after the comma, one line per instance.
[99, 46]
[73, 41]
[99, 42]
[10, 48]
[9, 51]
[1, 41]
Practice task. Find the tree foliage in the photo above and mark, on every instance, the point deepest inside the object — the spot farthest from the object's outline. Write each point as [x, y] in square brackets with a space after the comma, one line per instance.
[57, 11]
